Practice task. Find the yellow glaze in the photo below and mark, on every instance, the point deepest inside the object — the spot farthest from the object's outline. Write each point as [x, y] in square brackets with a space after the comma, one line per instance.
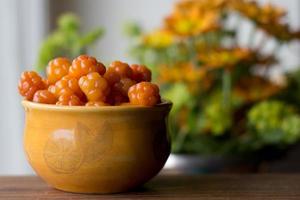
[96, 149]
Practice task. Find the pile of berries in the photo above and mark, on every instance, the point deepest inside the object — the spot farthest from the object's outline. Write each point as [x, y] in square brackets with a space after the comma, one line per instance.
[86, 81]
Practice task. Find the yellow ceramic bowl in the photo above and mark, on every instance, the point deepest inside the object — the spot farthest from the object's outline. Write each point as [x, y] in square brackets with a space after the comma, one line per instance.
[96, 149]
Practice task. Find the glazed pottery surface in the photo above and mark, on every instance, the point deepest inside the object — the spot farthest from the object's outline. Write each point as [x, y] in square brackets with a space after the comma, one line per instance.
[96, 149]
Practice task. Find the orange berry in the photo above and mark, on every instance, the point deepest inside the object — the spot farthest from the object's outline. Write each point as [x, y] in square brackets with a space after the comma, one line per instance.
[94, 87]
[119, 91]
[141, 73]
[122, 69]
[67, 84]
[57, 68]
[68, 99]
[116, 98]
[123, 85]
[111, 76]
[46, 83]
[44, 96]
[144, 93]
[96, 103]
[83, 65]
[29, 83]
[53, 90]
[116, 71]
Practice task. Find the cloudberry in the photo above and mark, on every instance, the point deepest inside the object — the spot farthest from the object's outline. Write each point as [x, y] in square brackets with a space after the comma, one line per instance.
[94, 87]
[67, 84]
[57, 68]
[68, 99]
[144, 93]
[141, 73]
[116, 98]
[53, 90]
[116, 71]
[96, 103]
[83, 65]
[46, 83]
[111, 76]
[29, 83]
[122, 69]
[44, 96]
[123, 85]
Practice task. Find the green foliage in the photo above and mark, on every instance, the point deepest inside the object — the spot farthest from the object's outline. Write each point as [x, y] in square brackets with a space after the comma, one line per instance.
[216, 117]
[180, 95]
[268, 115]
[132, 29]
[66, 41]
[291, 128]
[274, 122]
[291, 92]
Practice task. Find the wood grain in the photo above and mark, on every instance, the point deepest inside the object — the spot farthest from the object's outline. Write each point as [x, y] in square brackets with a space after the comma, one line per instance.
[266, 186]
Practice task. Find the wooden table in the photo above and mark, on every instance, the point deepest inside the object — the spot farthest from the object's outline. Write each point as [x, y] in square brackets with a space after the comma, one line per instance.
[266, 186]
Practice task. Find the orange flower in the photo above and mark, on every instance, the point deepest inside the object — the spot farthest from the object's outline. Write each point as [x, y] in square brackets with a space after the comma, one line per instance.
[159, 39]
[267, 17]
[271, 13]
[224, 58]
[263, 13]
[193, 17]
[280, 31]
[181, 72]
[255, 88]
[197, 79]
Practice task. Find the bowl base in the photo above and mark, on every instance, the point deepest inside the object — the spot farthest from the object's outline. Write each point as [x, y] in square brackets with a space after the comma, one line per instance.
[88, 191]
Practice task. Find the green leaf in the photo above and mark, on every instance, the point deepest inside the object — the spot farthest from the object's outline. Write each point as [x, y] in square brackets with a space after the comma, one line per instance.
[66, 41]
[91, 37]
[132, 29]
[291, 129]
[274, 122]
[68, 22]
[178, 94]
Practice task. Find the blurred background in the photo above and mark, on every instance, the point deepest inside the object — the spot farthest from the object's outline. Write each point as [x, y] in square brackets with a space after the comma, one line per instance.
[216, 49]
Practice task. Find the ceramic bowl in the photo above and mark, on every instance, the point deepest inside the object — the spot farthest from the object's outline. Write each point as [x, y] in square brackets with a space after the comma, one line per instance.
[96, 149]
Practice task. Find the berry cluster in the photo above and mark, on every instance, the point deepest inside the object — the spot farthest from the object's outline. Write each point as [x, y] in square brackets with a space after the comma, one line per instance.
[86, 81]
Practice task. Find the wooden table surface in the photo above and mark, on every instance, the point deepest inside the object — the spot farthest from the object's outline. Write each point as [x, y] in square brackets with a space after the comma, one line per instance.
[266, 186]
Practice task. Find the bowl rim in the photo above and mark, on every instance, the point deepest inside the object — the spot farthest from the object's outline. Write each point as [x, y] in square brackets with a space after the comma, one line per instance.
[39, 106]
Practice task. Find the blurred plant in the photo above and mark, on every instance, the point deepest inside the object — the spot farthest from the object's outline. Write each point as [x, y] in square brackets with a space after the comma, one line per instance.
[224, 100]
[274, 122]
[66, 40]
